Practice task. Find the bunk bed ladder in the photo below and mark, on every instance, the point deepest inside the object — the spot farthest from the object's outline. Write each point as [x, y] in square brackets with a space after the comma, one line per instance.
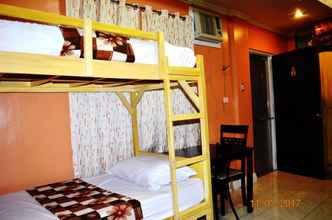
[200, 161]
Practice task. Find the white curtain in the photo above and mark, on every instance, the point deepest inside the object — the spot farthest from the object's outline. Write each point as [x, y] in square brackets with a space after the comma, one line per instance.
[100, 124]
[176, 30]
[101, 132]
[152, 122]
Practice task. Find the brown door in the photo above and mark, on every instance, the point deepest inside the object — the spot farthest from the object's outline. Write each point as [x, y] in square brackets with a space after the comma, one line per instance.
[261, 115]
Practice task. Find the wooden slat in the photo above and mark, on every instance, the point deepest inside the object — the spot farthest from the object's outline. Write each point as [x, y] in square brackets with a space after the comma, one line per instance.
[84, 83]
[182, 77]
[122, 70]
[190, 93]
[6, 86]
[186, 117]
[188, 161]
[183, 71]
[129, 32]
[40, 64]
[154, 86]
[119, 84]
[68, 66]
[42, 82]
[125, 102]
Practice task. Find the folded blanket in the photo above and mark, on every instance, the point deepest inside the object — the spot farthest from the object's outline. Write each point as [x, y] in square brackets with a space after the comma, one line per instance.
[106, 46]
[76, 199]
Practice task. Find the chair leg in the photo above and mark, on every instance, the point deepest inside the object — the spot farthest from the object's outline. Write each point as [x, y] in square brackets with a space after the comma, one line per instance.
[223, 197]
[243, 191]
[215, 203]
[222, 208]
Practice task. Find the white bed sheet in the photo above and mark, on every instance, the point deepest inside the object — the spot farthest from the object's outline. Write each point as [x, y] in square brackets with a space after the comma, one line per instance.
[26, 37]
[48, 40]
[155, 204]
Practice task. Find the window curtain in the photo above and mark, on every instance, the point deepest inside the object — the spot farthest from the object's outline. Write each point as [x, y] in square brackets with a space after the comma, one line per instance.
[105, 11]
[176, 30]
[100, 124]
[152, 122]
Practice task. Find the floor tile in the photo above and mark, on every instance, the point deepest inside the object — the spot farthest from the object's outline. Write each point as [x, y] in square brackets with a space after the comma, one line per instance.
[281, 195]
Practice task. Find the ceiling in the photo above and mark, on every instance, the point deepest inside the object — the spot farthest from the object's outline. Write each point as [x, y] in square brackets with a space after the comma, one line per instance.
[275, 15]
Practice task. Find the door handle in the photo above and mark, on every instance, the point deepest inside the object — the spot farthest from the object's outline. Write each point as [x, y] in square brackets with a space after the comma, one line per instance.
[318, 115]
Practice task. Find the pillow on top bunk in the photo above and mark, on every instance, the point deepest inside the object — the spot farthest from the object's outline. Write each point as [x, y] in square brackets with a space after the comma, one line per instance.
[149, 171]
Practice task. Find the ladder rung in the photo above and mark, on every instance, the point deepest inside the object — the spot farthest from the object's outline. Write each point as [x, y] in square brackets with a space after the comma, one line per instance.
[186, 117]
[187, 161]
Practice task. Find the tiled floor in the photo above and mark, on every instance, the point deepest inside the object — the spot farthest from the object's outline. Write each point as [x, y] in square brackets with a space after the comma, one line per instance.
[284, 196]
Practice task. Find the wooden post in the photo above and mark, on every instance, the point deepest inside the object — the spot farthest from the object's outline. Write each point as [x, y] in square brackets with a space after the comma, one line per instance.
[134, 99]
[205, 134]
[88, 56]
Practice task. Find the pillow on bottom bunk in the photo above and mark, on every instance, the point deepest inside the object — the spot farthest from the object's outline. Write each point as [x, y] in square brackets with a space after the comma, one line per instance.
[149, 171]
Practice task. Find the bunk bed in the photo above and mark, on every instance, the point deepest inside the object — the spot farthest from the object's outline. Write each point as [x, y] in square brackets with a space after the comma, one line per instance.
[28, 72]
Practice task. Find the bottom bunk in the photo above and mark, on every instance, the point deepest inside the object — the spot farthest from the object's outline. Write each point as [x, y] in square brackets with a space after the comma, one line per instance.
[155, 204]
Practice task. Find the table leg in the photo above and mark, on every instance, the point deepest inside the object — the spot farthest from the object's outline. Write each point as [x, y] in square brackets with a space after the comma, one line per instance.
[250, 188]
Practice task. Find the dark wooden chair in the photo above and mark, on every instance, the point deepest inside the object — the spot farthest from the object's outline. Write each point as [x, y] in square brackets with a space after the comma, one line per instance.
[233, 138]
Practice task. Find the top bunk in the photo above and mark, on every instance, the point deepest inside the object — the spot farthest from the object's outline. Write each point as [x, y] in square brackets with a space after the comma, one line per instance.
[36, 56]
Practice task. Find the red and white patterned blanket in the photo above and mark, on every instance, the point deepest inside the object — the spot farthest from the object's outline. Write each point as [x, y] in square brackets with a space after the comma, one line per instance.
[76, 199]
[106, 46]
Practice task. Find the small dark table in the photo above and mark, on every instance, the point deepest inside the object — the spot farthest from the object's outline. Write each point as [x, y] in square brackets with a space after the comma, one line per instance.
[235, 154]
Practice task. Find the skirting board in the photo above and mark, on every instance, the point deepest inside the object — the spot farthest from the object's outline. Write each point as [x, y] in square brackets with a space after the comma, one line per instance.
[235, 185]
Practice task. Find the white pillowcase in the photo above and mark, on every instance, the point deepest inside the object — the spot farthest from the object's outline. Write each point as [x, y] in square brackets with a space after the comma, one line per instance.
[149, 171]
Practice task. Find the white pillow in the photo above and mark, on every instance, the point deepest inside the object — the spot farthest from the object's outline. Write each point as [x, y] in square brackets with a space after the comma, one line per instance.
[149, 171]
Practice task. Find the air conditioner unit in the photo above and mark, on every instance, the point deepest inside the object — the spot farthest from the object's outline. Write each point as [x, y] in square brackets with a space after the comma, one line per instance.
[207, 26]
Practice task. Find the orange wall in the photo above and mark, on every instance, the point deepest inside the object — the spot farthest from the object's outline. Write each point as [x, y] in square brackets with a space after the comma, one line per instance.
[55, 6]
[247, 36]
[35, 140]
[22, 152]
[239, 37]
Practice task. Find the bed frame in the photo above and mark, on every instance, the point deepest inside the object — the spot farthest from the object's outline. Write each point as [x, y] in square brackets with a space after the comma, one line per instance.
[23, 72]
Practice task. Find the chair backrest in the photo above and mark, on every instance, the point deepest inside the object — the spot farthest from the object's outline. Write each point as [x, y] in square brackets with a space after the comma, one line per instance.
[233, 138]
[233, 135]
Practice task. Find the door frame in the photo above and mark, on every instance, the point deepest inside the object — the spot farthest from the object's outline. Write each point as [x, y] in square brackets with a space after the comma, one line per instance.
[270, 96]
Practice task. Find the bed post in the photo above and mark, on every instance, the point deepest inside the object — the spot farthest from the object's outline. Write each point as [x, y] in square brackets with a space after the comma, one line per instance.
[169, 123]
[88, 56]
[205, 135]
[134, 100]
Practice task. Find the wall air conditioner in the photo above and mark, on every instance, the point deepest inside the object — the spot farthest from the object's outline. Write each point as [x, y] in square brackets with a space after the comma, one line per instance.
[207, 26]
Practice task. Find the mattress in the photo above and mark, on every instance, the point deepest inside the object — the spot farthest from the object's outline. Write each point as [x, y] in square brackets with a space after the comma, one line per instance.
[42, 39]
[155, 204]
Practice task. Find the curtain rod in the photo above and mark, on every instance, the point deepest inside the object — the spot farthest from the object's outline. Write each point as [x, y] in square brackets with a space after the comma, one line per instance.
[136, 6]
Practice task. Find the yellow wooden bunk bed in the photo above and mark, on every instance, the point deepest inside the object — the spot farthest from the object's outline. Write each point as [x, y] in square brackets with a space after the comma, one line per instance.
[25, 72]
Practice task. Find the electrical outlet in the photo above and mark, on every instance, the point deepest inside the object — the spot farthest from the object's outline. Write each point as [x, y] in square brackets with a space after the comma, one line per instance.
[225, 100]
